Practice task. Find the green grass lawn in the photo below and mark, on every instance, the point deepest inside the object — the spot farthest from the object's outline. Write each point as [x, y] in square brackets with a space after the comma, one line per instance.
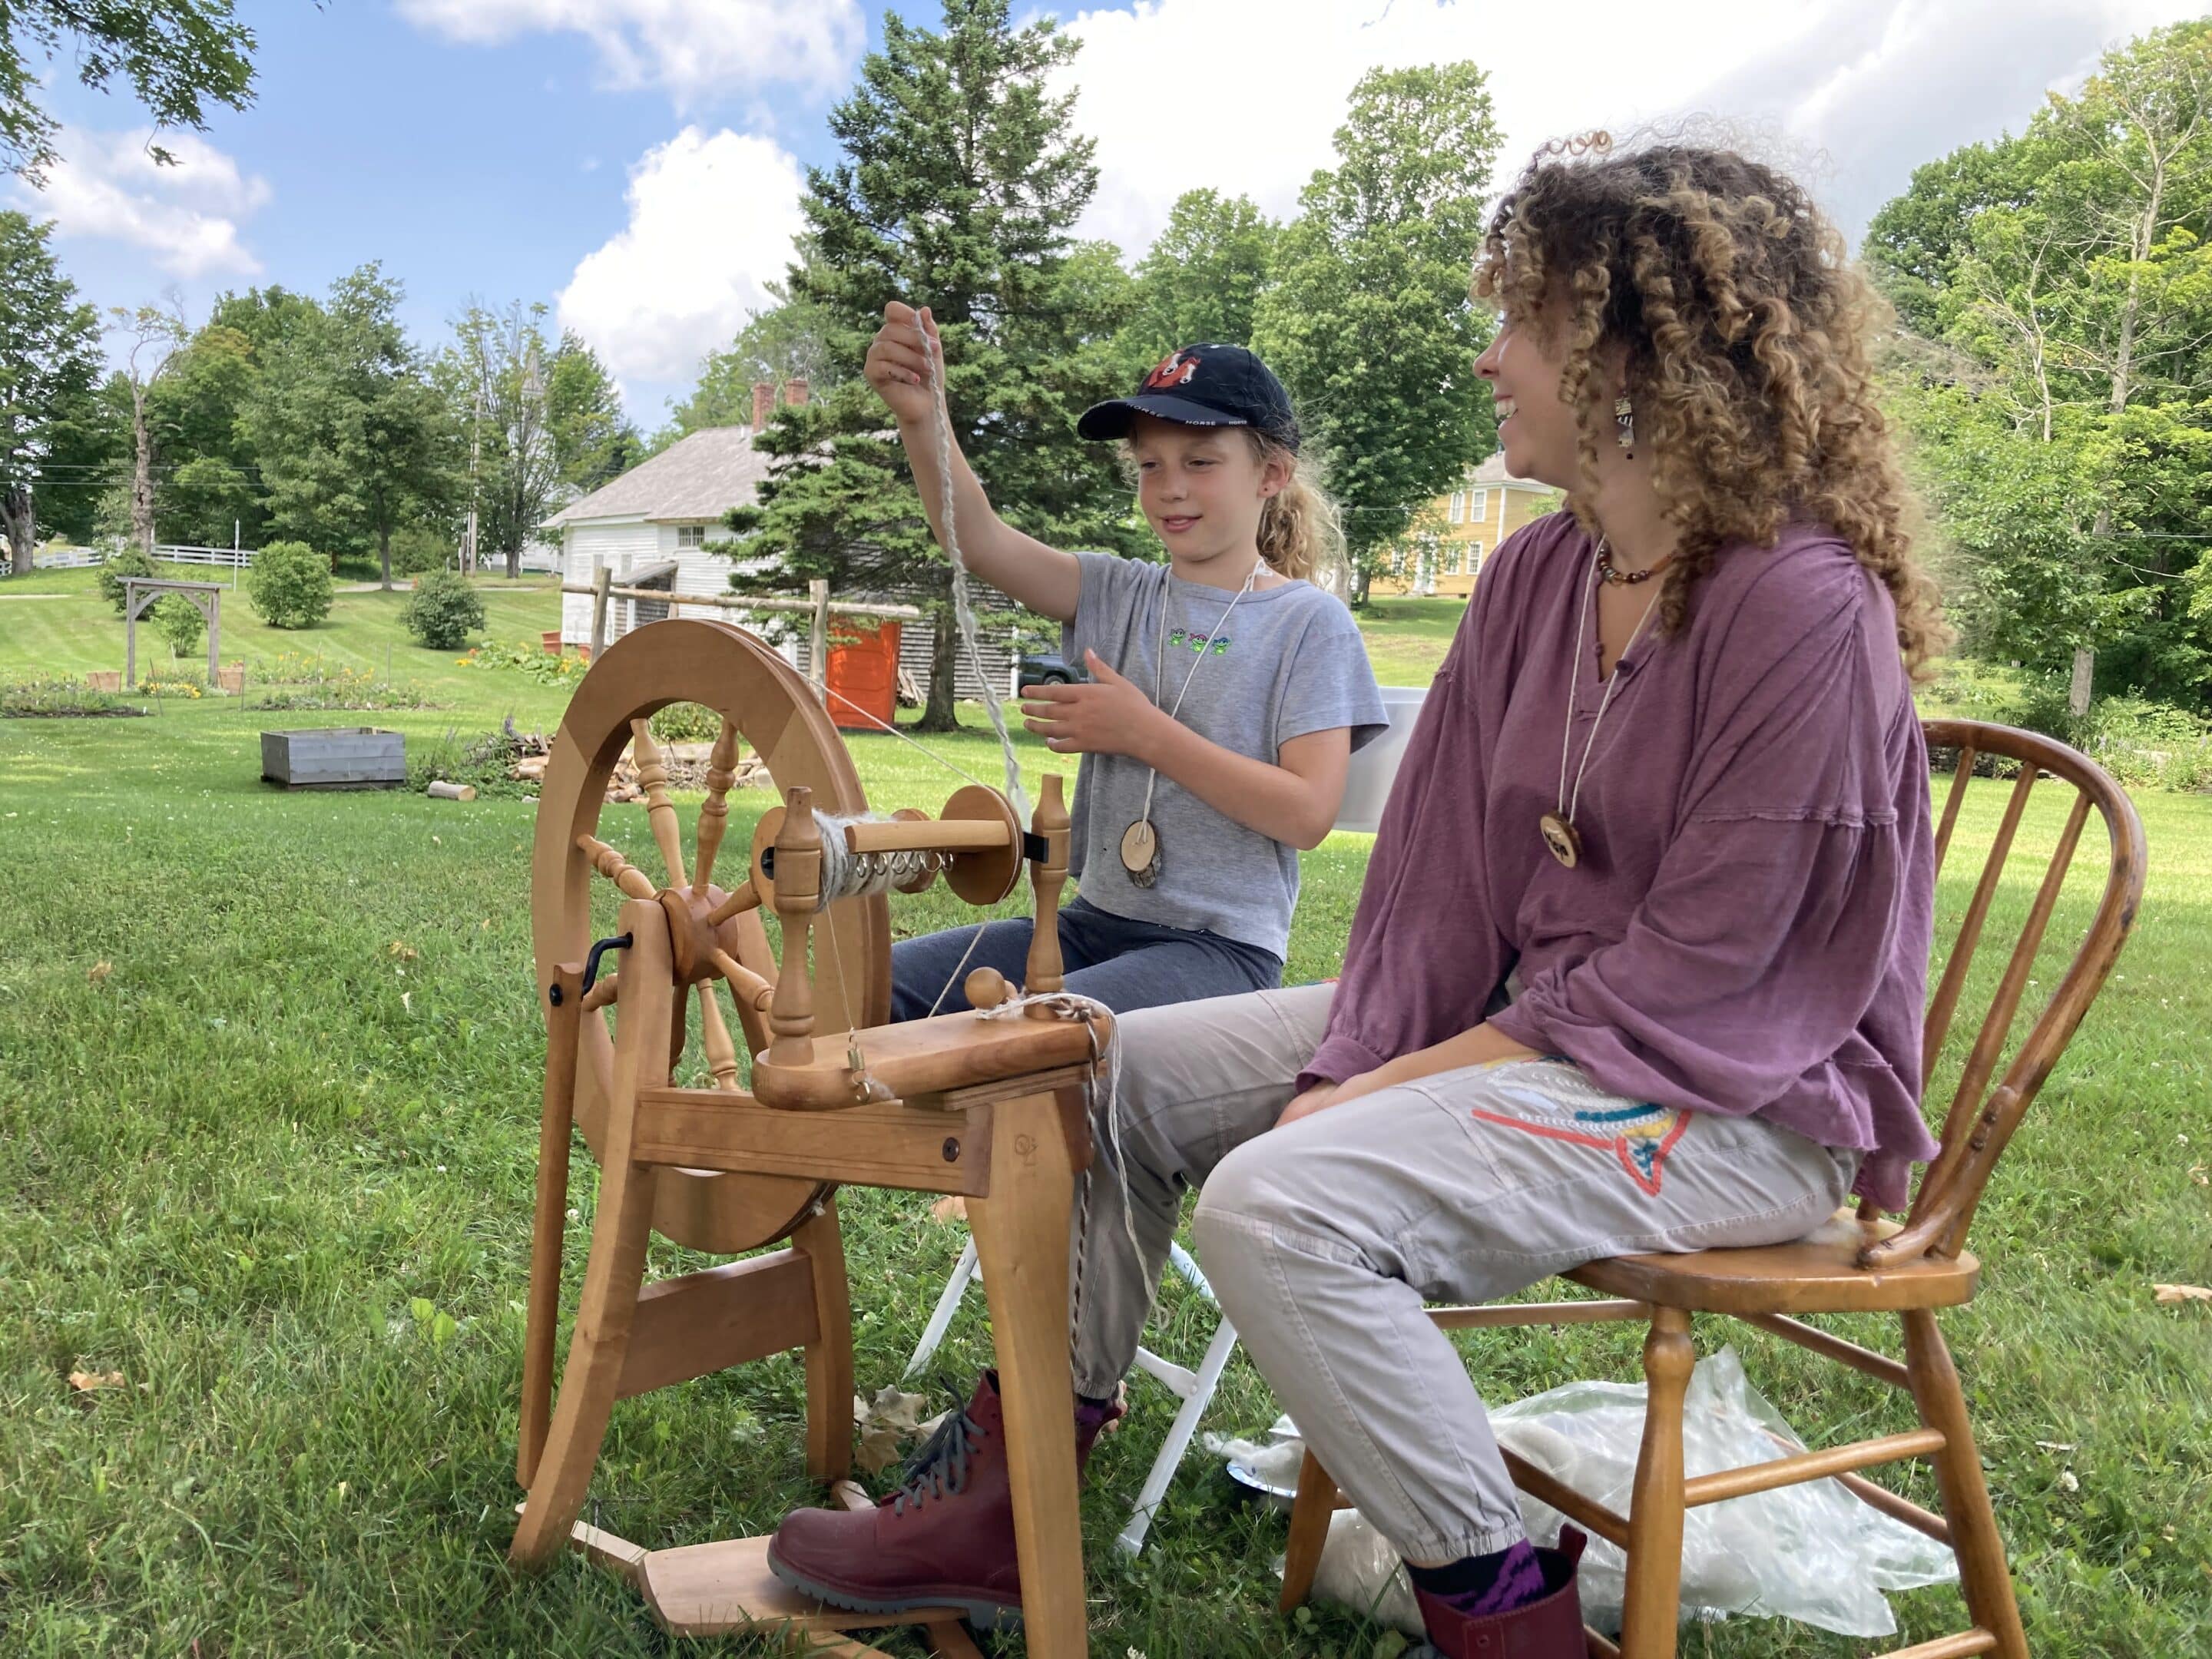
[268, 1078]
[78, 632]
[1406, 638]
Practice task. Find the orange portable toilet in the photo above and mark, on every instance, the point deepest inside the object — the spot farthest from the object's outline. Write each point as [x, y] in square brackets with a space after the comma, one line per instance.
[862, 673]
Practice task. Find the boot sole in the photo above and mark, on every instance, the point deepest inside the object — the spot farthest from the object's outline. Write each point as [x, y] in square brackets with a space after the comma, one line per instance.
[983, 1615]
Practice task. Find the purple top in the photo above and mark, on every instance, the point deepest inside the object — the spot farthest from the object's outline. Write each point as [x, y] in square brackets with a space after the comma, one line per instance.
[1748, 930]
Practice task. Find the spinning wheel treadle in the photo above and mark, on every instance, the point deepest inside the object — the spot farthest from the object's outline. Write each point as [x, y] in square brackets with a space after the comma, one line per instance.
[993, 1108]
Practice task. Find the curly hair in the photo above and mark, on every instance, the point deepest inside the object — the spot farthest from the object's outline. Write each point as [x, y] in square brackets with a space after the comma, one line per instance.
[1745, 332]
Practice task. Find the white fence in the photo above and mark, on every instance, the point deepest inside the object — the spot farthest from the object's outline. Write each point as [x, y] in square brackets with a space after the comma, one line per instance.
[77, 558]
[536, 557]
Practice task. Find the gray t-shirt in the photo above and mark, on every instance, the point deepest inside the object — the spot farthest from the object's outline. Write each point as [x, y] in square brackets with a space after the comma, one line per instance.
[1290, 661]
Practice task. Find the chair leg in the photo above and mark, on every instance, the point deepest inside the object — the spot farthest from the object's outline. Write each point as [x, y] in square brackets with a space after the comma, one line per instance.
[1310, 1513]
[1653, 1603]
[1983, 1574]
[1162, 1474]
[829, 1356]
[948, 1304]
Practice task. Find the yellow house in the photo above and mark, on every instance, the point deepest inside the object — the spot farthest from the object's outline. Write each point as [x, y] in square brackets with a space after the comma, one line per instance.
[1450, 537]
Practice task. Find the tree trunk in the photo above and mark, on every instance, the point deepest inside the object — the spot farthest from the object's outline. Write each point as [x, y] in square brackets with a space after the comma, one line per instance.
[384, 553]
[20, 514]
[514, 563]
[937, 713]
[142, 474]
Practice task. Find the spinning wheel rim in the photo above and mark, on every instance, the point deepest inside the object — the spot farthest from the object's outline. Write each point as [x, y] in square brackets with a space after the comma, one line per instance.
[726, 669]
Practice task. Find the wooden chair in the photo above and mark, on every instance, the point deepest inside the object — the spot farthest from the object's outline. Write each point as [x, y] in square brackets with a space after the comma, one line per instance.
[1876, 1266]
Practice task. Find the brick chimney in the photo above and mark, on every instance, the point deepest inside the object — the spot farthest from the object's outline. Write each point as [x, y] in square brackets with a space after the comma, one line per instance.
[763, 403]
[794, 394]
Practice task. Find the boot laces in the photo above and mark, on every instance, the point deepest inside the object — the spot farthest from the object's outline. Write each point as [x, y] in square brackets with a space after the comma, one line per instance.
[939, 1469]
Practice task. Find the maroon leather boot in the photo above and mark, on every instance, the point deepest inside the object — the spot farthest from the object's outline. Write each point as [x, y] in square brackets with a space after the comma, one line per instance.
[944, 1539]
[1550, 1627]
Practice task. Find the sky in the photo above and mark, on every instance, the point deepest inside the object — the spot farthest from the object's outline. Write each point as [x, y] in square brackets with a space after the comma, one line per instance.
[636, 165]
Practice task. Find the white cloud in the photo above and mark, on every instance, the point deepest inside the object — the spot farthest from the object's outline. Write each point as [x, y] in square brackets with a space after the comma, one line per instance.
[185, 215]
[711, 220]
[697, 49]
[1855, 93]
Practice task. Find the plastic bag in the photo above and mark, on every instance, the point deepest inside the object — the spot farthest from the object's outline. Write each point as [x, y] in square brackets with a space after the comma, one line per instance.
[1812, 1552]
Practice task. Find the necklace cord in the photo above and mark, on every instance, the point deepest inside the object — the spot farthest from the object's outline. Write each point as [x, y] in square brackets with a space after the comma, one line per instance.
[1568, 803]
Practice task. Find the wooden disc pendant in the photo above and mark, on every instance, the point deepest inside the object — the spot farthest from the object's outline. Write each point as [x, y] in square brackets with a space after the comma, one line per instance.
[1141, 852]
[1559, 837]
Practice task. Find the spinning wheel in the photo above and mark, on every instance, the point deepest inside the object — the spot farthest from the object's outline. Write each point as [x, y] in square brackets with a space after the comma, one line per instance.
[764, 704]
[989, 1104]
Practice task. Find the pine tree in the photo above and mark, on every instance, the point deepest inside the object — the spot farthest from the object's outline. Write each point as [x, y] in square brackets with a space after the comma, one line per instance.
[960, 183]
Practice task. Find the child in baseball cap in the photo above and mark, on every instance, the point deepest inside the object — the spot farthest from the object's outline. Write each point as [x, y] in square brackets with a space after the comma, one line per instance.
[1223, 692]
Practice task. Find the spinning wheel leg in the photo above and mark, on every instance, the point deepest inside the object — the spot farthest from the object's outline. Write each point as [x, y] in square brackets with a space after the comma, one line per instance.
[619, 1232]
[1021, 1240]
[550, 1223]
[829, 1356]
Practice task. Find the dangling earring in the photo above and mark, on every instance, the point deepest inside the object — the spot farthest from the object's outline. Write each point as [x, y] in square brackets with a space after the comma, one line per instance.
[1624, 420]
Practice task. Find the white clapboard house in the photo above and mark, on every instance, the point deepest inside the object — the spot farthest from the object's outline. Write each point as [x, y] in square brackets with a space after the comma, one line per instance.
[650, 528]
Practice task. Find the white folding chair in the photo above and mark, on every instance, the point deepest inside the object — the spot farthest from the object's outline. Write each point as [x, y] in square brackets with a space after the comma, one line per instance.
[1194, 1389]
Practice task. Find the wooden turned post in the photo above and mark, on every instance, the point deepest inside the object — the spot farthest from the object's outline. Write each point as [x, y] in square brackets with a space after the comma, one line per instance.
[565, 1019]
[1051, 823]
[659, 810]
[714, 811]
[797, 880]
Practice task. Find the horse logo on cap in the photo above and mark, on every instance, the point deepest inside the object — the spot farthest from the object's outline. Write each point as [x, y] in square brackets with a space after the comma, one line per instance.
[1177, 369]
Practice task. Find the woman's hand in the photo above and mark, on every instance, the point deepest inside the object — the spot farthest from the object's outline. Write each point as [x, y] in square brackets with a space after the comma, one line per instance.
[896, 367]
[1320, 1097]
[1110, 716]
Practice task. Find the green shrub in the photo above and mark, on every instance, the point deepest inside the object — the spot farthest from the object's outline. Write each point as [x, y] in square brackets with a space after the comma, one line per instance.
[687, 722]
[532, 659]
[289, 584]
[443, 609]
[417, 548]
[178, 620]
[132, 561]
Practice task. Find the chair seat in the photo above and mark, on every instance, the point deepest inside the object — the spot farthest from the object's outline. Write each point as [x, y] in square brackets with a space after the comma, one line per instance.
[1818, 1273]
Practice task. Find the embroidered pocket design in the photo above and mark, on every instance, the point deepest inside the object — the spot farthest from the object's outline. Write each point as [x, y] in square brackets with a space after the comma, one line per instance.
[1642, 1137]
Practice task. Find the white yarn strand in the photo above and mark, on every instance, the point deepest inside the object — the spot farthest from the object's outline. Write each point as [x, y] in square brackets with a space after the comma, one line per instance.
[962, 613]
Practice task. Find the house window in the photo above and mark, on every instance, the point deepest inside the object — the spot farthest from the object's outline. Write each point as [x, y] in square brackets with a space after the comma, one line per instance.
[1459, 507]
[1478, 509]
[1451, 558]
[690, 537]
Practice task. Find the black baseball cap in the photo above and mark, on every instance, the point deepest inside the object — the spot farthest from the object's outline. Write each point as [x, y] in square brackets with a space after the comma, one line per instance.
[1202, 386]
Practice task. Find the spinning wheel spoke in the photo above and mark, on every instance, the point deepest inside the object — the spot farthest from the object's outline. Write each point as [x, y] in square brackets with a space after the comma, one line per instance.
[633, 882]
[743, 897]
[659, 811]
[714, 813]
[750, 989]
[714, 1033]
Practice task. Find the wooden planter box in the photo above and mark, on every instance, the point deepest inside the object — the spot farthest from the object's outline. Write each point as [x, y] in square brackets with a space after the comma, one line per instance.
[551, 638]
[231, 677]
[334, 757]
[104, 679]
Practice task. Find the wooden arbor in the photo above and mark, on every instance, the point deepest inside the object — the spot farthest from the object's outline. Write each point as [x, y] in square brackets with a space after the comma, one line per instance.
[992, 1108]
[1873, 1266]
[139, 593]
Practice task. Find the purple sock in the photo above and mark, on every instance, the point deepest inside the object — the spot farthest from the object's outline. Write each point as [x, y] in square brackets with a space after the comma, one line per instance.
[1092, 1415]
[1480, 1586]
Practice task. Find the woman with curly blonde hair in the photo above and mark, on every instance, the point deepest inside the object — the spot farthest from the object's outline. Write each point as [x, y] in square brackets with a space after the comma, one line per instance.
[1640, 962]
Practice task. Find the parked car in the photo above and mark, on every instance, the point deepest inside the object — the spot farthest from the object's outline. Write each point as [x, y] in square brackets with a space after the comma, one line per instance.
[1049, 668]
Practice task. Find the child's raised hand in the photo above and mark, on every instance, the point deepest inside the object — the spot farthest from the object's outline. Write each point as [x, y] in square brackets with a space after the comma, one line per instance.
[895, 366]
[1110, 716]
